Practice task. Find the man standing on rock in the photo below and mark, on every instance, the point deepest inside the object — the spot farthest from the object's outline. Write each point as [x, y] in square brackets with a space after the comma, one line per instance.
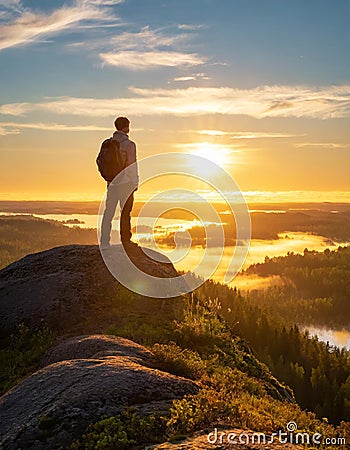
[121, 189]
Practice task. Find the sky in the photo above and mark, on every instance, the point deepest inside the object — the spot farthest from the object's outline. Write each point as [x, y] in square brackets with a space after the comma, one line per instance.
[261, 87]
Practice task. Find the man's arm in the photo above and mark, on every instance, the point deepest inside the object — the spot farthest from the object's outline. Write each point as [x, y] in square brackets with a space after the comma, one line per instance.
[132, 172]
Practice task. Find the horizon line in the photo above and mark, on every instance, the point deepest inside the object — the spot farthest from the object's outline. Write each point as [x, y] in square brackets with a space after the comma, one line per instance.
[295, 196]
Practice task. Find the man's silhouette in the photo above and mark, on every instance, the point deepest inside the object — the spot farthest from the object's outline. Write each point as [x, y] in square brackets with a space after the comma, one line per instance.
[120, 191]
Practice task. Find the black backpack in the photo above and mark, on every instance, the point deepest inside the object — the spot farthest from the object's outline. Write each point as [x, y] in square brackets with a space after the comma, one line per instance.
[111, 160]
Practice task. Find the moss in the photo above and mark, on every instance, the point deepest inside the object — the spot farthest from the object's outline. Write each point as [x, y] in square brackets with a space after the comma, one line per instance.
[47, 425]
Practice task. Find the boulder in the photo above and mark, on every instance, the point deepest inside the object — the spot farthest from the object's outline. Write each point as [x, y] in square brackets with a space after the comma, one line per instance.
[93, 346]
[94, 376]
[62, 286]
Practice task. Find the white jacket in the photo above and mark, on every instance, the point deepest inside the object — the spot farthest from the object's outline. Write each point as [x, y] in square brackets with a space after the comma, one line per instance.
[129, 147]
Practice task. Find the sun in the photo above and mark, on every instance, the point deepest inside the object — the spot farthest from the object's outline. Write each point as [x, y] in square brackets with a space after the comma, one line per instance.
[217, 153]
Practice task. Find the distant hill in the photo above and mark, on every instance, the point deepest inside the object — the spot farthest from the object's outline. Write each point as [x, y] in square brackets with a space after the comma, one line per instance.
[20, 235]
[316, 289]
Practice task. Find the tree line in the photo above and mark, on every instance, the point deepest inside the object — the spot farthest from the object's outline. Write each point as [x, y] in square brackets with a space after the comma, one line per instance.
[318, 373]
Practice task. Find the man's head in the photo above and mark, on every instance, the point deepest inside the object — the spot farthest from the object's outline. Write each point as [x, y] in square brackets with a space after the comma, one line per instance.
[122, 124]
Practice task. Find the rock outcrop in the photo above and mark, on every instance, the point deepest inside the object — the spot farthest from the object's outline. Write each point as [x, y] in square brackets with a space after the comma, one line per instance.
[96, 346]
[90, 377]
[62, 286]
[85, 378]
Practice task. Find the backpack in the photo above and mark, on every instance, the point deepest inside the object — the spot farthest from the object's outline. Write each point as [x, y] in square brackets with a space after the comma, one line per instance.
[110, 160]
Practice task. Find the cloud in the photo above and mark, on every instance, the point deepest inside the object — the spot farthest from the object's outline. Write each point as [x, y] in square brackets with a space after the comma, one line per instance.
[101, 2]
[10, 4]
[202, 76]
[148, 49]
[261, 135]
[16, 109]
[214, 132]
[146, 38]
[7, 128]
[135, 60]
[194, 146]
[247, 134]
[4, 131]
[144, 49]
[9, 8]
[190, 27]
[321, 145]
[319, 103]
[14, 5]
[193, 77]
[29, 26]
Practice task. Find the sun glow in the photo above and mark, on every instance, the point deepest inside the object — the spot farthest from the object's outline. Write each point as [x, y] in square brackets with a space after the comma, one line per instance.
[217, 153]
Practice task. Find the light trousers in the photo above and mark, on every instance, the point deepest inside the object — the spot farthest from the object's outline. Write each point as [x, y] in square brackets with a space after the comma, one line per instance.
[117, 194]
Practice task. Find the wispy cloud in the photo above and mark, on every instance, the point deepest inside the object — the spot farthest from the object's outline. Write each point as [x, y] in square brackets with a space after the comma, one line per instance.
[321, 145]
[101, 2]
[319, 103]
[189, 78]
[214, 132]
[9, 9]
[207, 145]
[143, 49]
[11, 5]
[7, 128]
[4, 131]
[135, 60]
[147, 38]
[247, 134]
[261, 135]
[147, 49]
[192, 77]
[27, 26]
[190, 27]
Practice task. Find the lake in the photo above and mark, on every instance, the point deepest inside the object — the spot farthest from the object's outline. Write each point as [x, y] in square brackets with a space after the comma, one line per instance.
[339, 338]
[188, 259]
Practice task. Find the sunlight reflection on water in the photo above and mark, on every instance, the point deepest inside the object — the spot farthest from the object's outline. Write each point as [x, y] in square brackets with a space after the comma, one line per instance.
[340, 338]
[295, 242]
[287, 242]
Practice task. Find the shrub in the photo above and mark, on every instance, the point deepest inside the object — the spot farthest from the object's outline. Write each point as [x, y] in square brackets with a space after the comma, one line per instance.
[200, 324]
[174, 359]
[21, 354]
[211, 407]
[122, 432]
